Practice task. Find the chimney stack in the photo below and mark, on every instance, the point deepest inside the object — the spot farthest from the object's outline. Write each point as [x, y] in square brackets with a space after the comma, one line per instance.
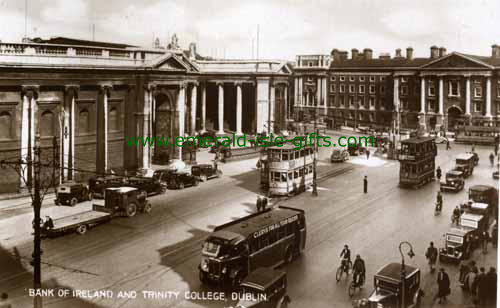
[354, 53]
[398, 53]
[434, 52]
[367, 53]
[343, 55]
[495, 51]
[335, 55]
[442, 52]
[409, 53]
[384, 56]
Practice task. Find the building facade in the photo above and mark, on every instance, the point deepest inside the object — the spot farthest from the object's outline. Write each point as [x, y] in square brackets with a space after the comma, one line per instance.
[85, 98]
[439, 92]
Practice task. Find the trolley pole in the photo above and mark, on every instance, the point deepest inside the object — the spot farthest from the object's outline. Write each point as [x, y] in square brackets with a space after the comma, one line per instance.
[37, 277]
[315, 184]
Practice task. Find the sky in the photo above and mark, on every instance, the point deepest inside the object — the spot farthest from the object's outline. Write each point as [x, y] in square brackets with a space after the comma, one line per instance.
[286, 27]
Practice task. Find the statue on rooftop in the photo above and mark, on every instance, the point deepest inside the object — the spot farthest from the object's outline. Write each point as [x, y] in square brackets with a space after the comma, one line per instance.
[174, 42]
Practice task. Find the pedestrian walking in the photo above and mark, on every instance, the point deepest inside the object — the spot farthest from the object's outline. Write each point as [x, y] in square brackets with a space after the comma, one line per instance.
[443, 282]
[491, 279]
[482, 287]
[492, 159]
[264, 203]
[367, 154]
[438, 173]
[365, 184]
[448, 147]
[464, 271]
[470, 281]
[485, 237]
[431, 254]
[4, 301]
[258, 203]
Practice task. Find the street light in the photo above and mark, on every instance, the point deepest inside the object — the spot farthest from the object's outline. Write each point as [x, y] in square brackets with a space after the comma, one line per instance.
[411, 254]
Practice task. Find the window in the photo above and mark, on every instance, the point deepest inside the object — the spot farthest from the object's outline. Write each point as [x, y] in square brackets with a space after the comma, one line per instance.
[351, 78]
[333, 88]
[498, 92]
[341, 101]
[498, 107]
[477, 81]
[405, 105]
[372, 101]
[113, 123]
[372, 89]
[332, 100]
[362, 78]
[432, 89]
[352, 89]
[372, 78]
[478, 92]
[382, 78]
[454, 88]
[404, 90]
[404, 79]
[382, 89]
[342, 78]
[477, 106]
[361, 88]
[332, 78]
[431, 105]
[83, 121]
[5, 125]
[351, 101]
[309, 79]
[342, 88]
[310, 64]
[372, 117]
[47, 124]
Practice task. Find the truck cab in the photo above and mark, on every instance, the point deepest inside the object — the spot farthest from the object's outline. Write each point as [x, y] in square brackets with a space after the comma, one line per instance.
[465, 163]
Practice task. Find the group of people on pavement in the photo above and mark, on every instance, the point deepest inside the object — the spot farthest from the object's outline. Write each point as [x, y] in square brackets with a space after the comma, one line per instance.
[480, 285]
[261, 203]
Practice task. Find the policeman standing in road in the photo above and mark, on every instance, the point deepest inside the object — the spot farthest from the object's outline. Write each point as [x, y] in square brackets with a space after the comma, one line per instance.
[365, 184]
[259, 203]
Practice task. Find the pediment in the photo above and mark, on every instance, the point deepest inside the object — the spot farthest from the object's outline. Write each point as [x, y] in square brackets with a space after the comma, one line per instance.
[175, 62]
[456, 60]
[285, 69]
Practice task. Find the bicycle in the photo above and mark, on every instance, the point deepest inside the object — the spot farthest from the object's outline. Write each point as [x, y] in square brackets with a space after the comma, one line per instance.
[353, 285]
[344, 267]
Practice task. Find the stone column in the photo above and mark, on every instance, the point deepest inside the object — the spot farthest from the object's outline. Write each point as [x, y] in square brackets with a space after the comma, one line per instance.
[467, 95]
[220, 85]
[194, 97]
[146, 127]
[272, 107]
[301, 93]
[239, 109]
[181, 103]
[285, 92]
[68, 131]
[324, 93]
[488, 97]
[102, 130]
[422, 120]
[318, 93]
[396, 94]
[29, 95]
[296, 91]
[440, 122]
[262, 103]
[203, 107]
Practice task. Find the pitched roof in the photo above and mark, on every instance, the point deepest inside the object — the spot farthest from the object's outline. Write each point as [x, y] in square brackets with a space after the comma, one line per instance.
[61, 40]
[379, 63]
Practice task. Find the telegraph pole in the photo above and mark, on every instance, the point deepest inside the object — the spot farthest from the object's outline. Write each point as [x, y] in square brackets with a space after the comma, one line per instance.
[37, 203]
[315, 183]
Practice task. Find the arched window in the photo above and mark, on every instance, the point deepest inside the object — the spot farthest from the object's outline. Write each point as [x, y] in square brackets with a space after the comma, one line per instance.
[5, 125]
[47, 124]
[83, 121]
[113, 120]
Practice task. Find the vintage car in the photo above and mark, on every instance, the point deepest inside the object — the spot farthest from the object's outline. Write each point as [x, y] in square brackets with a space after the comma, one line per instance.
[70, 193]
[475, 158]
[339, 155]
[355, 150]
[163, 175]
[182, 179]
[205, 172]
[128, 200]
[453, 181]
[264, 288]
[98, 185]
[389, 287]
[149, 185]
[460, 242]
[465, 163]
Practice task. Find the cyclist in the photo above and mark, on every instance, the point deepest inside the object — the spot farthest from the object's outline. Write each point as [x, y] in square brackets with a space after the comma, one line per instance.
[358, 271]
[346, 256]
[438, 173]
[439, 201]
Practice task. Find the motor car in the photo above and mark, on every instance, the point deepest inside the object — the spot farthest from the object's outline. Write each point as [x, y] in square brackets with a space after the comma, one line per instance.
[264, 288]
[339, 155]
[355, 150]
[205, 172]
[70, 193]
[465, 163]
[475, 158]
[453, 181]
[179, 180]
[149, 185]
[99, 184]
[163, 175]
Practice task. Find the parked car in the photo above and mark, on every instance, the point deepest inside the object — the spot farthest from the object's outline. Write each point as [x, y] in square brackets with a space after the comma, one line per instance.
[205, 172]
[98, 185]
[182, 179]
[70, 193]
[339, 155]
[264, 288]
[163, 175]
[149, 185]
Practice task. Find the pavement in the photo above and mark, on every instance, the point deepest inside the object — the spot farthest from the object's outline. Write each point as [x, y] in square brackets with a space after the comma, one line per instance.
[161, 251]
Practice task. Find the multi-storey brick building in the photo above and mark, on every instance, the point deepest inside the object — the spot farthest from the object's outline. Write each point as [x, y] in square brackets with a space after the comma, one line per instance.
[441, 91]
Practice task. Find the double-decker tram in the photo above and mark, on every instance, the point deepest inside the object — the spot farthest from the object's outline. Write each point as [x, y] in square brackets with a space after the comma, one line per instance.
[264, 239]
[417, 161]
[290, 168]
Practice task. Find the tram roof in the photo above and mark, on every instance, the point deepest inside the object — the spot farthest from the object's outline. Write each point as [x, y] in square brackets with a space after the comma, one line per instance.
[418, 140]
[248, 225]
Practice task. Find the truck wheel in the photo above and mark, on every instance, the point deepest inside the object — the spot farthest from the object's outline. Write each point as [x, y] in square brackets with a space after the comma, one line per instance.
[147, 208]
[203, 178]
[81, 229]
[131, 210]
[74, 201]
[181, 185]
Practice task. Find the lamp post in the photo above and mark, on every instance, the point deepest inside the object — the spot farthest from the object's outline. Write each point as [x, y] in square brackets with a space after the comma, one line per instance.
[315, 184]
[411, 254]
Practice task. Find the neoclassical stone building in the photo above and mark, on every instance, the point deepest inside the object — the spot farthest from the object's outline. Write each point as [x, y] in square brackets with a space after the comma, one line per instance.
[91, 95]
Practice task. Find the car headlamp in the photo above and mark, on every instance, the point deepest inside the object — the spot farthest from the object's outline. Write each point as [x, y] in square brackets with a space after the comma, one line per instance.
[224, 270]
[204, 265]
